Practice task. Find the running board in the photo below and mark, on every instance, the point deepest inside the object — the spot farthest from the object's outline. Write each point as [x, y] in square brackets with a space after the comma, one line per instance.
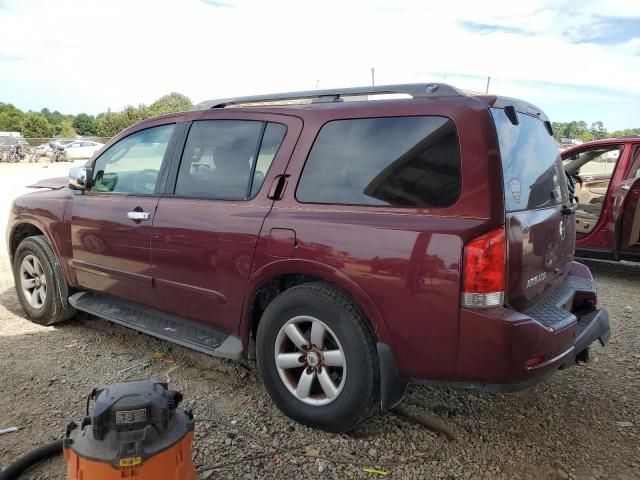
[190, 334]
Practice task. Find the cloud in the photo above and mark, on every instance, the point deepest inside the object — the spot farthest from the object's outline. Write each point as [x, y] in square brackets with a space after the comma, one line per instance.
[486, 28]
[7, 57]
[604, 30]
[218, 4]
[80, 56]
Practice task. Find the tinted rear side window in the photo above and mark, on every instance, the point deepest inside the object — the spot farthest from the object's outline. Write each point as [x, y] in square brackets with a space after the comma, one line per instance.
[396, 161]
[531, 165]
[219, 158]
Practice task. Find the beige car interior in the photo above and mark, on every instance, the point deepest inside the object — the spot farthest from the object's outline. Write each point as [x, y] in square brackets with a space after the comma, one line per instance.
[634, 174]
[594, 168]
[634, 238]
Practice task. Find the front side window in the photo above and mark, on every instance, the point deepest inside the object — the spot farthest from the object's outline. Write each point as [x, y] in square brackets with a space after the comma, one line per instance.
[393, 161]
[595, 161]
[132, 165]
[227, 159]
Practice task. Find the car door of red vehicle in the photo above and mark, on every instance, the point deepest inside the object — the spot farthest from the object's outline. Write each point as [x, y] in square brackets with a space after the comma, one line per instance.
[111, 221]
[598, 171]
[629, 248]
[207, 224]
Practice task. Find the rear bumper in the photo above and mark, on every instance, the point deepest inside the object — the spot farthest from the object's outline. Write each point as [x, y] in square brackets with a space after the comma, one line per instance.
[504, 350]
[591, 327]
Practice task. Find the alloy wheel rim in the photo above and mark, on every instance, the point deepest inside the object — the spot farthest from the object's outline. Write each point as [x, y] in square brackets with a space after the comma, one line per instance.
[310, 360]
[33, 281]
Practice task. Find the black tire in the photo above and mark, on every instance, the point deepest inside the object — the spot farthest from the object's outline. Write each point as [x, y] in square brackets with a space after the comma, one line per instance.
[360, 395]
[52, 310]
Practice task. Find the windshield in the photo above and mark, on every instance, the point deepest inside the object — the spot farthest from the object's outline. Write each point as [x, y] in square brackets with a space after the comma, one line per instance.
[531, 165]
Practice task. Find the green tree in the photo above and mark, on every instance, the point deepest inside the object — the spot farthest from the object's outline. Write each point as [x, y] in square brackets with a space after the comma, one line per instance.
[65, 129]
[559, 130]
[109, 124]
[173, 102]
[586, 136]
[625, 132]
[598, 132]
[55, 118]
[132, 115]
[10, 118]
[85, 124]
[36, 125]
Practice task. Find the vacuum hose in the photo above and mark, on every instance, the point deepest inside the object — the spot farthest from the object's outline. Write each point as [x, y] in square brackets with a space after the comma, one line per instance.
[14, 470]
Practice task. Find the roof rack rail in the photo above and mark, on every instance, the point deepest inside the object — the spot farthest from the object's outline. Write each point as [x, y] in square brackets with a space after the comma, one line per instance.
[415, 90]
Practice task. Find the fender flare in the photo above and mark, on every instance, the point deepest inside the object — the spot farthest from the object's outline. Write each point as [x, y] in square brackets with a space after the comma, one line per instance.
[325, 272]
[392, 385]
[62, 273]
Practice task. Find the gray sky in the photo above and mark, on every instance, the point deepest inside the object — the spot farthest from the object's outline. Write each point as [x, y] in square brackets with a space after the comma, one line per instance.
[576, 60]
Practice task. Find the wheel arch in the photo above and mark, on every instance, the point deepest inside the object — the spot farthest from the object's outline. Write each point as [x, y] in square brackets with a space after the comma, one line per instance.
[24, 229]
[280, 275]
[29, 227]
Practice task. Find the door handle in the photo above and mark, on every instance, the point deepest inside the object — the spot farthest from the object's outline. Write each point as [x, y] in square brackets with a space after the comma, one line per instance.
[569, 209]
[139, 216]
[277, 187]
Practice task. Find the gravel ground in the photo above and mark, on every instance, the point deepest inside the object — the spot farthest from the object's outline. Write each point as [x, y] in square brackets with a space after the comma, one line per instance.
[584, 423]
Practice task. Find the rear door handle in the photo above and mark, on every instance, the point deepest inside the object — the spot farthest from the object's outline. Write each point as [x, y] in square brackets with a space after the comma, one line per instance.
[138, 215]
[277, 187]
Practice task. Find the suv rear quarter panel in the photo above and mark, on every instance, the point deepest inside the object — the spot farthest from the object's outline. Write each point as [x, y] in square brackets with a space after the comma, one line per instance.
[402, 265]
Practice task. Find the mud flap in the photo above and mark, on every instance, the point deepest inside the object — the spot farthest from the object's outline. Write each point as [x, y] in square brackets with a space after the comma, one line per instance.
[392, 385]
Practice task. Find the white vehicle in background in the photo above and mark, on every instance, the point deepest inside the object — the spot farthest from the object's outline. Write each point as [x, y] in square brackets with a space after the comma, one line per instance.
[81, 149]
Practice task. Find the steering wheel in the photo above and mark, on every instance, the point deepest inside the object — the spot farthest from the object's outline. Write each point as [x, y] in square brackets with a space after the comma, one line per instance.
[572, 181]
[571, 184]
[145, 181]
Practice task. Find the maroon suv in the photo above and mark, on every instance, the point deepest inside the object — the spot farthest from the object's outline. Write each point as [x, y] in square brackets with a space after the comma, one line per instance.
[351, 247]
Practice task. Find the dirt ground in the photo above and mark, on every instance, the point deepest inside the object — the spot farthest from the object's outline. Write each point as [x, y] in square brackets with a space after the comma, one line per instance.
[584, 423]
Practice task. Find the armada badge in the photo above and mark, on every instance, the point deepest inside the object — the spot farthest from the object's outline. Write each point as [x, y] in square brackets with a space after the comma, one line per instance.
[536, 280]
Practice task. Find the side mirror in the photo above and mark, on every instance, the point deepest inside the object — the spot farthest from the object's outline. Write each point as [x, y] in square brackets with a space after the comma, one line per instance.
[79, 177]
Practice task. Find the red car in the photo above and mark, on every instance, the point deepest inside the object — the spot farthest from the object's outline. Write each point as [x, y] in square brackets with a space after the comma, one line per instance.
[606, 178]
[351, 247]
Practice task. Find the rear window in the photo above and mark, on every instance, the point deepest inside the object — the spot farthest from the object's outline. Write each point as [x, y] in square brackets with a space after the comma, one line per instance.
[394, 161]
[531, 164]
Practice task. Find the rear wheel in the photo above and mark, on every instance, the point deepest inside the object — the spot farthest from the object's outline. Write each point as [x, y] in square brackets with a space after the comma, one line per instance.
[317, 358]
[37, 282]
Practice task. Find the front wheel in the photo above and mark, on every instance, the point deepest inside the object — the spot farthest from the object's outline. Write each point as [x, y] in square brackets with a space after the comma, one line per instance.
[317, 358]
[37, 282]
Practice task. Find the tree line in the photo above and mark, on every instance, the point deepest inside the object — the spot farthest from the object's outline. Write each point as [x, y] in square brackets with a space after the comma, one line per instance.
[578, 129]
[45, 123]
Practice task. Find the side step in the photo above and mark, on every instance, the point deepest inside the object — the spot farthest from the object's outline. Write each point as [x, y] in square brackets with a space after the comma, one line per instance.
[190, 334]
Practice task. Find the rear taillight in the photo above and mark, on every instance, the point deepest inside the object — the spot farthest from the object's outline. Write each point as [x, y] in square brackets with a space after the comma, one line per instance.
[484, 270]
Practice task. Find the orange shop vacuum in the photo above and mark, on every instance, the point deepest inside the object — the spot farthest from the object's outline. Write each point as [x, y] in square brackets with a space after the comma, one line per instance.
[136, 431]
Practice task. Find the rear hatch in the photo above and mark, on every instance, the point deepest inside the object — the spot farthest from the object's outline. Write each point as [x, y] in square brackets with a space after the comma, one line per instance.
[540, 237]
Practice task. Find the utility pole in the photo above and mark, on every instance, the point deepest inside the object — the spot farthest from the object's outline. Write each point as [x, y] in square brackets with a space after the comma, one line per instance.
[373, 76]
[488, 82]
